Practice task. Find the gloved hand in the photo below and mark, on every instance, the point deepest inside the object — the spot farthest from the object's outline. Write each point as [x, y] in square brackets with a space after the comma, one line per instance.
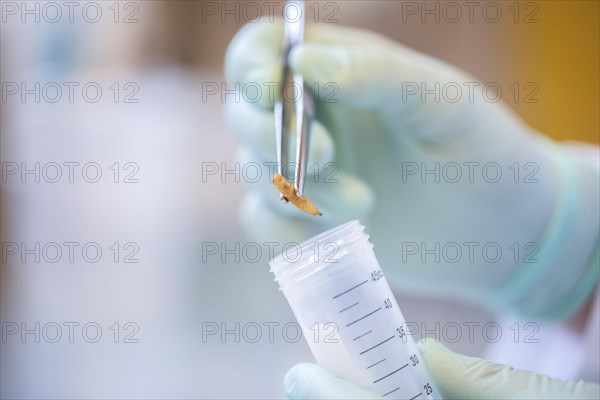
[455, 375]
[459, 196]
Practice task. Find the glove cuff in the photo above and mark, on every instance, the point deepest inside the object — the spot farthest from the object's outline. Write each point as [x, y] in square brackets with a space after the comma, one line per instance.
[568, 266]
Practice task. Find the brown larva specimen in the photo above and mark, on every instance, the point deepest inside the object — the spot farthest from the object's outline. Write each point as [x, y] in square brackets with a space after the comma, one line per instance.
[287, 189]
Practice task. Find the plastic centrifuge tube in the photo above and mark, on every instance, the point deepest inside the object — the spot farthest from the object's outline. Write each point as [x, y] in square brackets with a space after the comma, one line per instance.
[349, 316]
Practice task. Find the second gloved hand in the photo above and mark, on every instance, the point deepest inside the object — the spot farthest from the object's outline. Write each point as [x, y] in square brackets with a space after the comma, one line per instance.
[455, 375]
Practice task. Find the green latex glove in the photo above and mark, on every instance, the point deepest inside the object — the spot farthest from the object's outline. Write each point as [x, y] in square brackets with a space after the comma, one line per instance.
[456, 376]
[376, 133]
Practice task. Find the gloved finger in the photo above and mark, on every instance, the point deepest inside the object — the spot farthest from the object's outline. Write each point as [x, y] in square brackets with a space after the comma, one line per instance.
[261, 221]
[371, 76]
[256, 128]
[253, 57]
[340, 196]
[461, 377]
[264, 217]
[257, 174]
[311, 381]
[345, 36]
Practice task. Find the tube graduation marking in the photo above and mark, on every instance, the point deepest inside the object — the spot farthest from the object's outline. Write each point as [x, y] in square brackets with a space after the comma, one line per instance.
[390, 392]
[391, 373]
[361, 318]
[349, 307]
[364, 334]
[378, 344]
[353, 287]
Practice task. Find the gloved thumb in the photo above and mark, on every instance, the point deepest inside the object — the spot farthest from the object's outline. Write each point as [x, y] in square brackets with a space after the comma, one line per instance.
[461, 377]
[369, 76]
[355, 76]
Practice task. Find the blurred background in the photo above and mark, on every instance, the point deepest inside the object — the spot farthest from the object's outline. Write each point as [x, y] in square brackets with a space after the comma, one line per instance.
[153, 292]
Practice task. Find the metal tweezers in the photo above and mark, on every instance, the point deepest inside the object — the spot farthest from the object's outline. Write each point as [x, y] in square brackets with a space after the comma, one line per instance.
[293, 113]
